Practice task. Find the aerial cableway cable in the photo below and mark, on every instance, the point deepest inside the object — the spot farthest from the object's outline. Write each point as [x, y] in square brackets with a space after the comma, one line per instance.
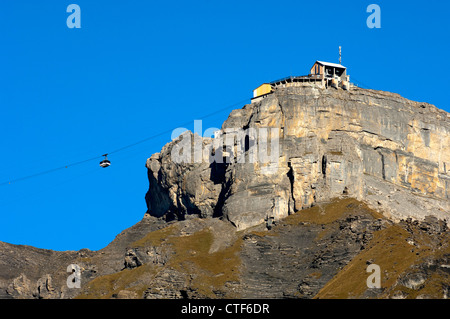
[170, 130]
[48, 171]
[361, 84]
[107, 163]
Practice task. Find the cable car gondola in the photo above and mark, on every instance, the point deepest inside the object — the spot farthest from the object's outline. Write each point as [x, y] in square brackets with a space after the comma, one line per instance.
[105, 163]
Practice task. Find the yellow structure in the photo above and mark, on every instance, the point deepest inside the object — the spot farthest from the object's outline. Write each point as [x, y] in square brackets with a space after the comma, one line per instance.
[263, 89]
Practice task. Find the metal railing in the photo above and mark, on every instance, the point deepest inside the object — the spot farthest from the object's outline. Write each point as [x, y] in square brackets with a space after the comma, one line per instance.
[302, 77]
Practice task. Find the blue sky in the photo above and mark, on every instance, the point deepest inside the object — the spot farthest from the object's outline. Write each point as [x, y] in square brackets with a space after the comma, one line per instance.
[138, 68]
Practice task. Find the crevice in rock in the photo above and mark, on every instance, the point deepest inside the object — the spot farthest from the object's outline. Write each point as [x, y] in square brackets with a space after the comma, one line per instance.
[383, 170]
[324, 166]
[290, 175]
[224, 192]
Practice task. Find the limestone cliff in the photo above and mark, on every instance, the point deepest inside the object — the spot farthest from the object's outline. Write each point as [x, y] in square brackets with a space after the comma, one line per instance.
[358, 177]
[390, 152]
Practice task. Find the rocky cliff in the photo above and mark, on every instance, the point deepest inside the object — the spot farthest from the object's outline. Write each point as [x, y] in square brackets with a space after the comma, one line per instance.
[312, 186]
[374, 146]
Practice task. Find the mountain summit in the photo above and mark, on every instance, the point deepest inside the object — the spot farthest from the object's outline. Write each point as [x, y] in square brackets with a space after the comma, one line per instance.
[295, 196]
[374, 146]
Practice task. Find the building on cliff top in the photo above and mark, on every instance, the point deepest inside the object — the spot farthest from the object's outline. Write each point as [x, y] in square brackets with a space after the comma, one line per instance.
[323, 74]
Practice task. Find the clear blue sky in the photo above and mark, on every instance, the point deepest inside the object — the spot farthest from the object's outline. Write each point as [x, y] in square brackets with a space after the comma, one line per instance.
[138, 68]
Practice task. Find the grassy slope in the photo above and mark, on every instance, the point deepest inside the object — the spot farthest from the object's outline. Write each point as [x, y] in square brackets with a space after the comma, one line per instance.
[391, 251]
[190, 256]
[388, 249]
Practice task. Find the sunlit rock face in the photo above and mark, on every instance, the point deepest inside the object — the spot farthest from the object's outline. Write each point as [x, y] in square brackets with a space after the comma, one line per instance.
[375, 146]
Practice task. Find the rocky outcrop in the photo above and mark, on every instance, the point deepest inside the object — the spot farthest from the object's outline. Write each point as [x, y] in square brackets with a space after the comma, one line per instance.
[301, 254]
[375, 146]
[31, 273]
[288, 208]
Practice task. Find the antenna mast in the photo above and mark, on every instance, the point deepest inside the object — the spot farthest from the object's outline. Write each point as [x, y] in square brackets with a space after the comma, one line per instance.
[340, 56]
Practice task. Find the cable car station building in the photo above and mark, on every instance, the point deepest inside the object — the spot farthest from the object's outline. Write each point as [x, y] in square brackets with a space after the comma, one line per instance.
[322, 74]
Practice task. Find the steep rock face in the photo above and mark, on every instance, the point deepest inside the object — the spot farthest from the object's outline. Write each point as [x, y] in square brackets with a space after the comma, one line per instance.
[371, 145]
[178, 189]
